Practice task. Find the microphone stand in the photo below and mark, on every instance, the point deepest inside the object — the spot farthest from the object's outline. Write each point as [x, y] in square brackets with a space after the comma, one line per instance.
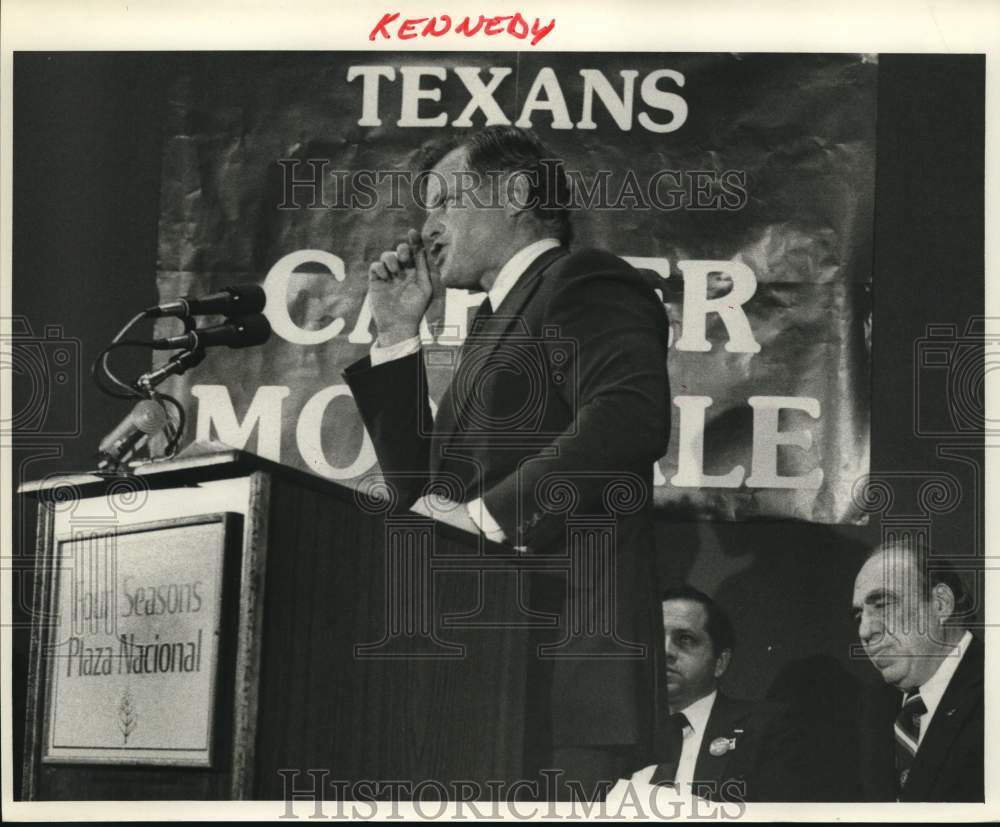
[146, 384]
[175, 366]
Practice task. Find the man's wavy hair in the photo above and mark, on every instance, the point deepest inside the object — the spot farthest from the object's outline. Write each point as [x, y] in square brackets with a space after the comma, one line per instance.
[507, 149]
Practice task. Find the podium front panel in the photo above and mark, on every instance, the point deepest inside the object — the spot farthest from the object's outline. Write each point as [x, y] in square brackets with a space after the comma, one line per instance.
[357, 644]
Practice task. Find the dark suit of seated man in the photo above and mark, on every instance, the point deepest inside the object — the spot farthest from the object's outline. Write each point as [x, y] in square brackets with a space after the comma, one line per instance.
[714, 746]
[925, 741]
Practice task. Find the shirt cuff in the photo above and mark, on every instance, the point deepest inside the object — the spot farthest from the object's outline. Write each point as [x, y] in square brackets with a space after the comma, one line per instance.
[380, 355]
[484, 521]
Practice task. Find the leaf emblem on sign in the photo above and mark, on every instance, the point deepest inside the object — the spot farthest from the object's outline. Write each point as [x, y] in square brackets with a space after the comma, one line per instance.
[127, 718]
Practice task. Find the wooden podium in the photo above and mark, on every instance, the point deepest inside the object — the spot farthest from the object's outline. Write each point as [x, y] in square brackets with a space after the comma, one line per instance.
[224, 627]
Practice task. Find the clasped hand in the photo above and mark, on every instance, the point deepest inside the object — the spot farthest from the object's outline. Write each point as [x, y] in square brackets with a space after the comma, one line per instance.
[445, 511]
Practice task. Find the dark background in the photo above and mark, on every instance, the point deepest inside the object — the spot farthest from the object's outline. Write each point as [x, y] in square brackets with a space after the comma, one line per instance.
[87, 164]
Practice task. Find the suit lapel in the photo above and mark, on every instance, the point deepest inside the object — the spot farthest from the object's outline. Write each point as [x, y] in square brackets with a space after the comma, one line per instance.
[727, 717]
[506, 320]
[959, 701]
[507, 317]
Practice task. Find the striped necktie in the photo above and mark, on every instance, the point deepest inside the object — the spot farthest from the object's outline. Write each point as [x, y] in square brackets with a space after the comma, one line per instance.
[907, 729]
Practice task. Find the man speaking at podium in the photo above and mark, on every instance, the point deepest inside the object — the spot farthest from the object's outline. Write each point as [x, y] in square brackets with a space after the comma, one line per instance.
[558, 407]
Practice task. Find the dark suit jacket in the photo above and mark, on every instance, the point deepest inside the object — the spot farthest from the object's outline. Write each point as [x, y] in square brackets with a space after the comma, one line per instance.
[948, 765]
[566, 384]
[766, 757]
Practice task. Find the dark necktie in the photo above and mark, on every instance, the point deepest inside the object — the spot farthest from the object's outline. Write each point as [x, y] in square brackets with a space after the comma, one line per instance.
[907, 729]
[477, 327]
[665, 773]
[483, 313]
[467, 370]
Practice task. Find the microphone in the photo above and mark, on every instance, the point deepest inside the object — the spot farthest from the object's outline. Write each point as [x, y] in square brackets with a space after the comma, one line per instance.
[240, 300]
[236, 333]
[144, 420]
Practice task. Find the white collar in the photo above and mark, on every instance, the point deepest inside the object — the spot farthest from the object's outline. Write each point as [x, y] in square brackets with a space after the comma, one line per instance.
[698, 713]
[515, 267]
[933, 689]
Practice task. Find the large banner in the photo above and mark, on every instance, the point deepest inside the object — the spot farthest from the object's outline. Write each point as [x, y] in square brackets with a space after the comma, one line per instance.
[741, 184]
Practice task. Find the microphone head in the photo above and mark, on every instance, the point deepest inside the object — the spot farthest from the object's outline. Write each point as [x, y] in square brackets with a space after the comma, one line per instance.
[246, 299]
[252, 330]
[148, 416]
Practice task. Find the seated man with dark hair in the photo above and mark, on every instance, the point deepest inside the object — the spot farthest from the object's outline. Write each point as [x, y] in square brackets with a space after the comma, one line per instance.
[717, 747]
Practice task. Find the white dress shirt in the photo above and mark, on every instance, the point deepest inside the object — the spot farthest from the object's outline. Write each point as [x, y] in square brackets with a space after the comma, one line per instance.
[508, 276]
[692, 736]
[697, 715]
[662, 801]
[933, 689]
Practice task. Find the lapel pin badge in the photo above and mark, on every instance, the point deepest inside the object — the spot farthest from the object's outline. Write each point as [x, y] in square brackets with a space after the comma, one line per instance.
[720, 746]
